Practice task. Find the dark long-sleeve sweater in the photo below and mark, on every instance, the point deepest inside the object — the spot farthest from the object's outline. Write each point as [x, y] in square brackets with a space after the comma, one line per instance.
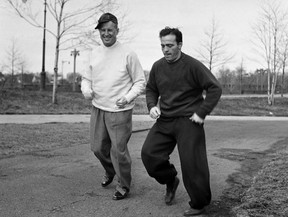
[180, 86]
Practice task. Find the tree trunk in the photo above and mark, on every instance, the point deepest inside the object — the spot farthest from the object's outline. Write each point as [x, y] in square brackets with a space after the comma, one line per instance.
[58, 37]
[55, 82]
[273, 89]
[12, 77]
[273, 86]
[269, 87]
[282, 80]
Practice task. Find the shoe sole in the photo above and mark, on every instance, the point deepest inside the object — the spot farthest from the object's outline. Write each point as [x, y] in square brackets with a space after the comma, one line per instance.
[119, 198]
[198, 212]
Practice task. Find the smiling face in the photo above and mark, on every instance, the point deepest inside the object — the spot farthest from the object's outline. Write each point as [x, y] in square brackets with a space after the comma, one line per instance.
[108, 33]
[170, 48]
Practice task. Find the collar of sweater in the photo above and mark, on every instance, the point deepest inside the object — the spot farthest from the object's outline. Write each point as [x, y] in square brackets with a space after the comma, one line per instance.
[111, 47]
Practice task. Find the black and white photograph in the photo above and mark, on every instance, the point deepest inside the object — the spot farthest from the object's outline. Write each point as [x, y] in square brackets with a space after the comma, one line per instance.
[155, 108]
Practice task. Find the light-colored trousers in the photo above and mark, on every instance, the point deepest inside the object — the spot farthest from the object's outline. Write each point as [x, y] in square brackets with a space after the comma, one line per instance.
[109, 135]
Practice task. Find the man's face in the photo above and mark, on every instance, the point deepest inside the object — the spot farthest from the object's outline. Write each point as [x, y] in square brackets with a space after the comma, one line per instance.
[108, 33]
[170, 48]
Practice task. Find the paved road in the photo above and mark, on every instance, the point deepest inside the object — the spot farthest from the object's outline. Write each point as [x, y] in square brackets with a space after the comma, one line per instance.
[37, 119]
[65, 182]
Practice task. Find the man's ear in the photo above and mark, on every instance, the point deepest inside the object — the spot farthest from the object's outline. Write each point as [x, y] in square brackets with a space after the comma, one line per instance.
[180, 45]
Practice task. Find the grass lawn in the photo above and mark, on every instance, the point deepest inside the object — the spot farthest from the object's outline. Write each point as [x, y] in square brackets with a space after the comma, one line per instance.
[36, 102]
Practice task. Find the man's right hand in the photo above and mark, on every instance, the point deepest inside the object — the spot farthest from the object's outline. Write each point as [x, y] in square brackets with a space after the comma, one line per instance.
[155, 112]
[89, 95]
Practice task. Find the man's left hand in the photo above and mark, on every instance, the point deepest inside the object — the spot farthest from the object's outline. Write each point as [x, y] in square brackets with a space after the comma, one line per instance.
[121, 102]
[195, 118]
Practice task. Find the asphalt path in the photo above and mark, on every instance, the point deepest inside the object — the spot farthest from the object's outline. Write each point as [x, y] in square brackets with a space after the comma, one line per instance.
[38, 119]
[66, 182]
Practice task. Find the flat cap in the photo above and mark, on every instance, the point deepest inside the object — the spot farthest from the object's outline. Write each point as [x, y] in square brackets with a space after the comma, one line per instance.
[106, 18]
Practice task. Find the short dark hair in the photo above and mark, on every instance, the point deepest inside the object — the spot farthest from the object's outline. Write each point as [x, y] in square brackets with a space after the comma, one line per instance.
[173, 31]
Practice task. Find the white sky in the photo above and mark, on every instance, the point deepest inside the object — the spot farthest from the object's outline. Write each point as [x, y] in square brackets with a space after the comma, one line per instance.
[147, 17]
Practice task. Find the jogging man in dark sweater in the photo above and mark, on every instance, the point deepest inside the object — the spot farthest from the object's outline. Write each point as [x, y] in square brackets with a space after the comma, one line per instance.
[178, 82]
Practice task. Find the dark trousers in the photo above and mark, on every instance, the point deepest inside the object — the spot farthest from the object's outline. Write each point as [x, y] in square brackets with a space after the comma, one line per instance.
[190, 139]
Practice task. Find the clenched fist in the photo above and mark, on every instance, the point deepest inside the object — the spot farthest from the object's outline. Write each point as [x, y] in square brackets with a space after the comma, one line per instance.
[155, 112]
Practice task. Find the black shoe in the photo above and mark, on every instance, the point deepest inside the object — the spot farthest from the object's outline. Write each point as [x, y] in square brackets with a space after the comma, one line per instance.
[118, 196]
[170, 191]
[106, 181]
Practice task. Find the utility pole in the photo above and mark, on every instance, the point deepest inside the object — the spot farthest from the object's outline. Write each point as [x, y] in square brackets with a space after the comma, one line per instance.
[22, 76]
[43, 73]
[74, 53]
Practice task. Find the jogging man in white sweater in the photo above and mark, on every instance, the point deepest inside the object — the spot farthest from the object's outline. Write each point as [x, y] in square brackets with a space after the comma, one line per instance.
[114, 78]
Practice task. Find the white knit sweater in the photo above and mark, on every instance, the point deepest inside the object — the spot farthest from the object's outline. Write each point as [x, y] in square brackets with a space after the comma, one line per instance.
[113, 72]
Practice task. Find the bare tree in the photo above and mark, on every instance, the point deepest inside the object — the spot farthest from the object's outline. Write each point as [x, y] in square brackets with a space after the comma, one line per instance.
[283, 60]
[240, 71]
[269, 32]
[13, 60]
[213, 47]
[71, 18]
[22, 64]
[2, 79]
[228, 79]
